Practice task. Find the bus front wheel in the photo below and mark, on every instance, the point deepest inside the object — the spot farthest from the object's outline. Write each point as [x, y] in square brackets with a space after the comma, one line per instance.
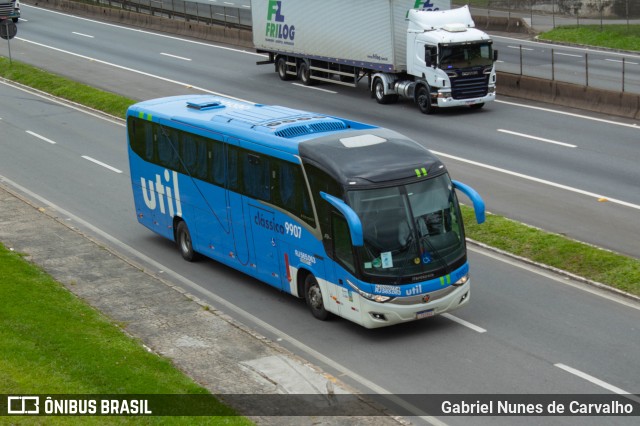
[183, 238]
[313, 295]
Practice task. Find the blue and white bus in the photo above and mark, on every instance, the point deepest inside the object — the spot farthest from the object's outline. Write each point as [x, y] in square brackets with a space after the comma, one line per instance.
[358, 220]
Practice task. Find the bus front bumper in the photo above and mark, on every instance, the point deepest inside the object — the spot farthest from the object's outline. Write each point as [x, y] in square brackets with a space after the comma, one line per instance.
[384, 314]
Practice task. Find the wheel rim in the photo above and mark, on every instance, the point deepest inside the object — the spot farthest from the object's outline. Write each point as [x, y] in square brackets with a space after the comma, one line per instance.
[379, 90]
[185, 243]
[315, 297]
[423, 101]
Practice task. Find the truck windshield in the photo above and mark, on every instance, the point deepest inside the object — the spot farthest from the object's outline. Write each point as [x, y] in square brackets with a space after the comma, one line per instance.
[455, 56]
[409, 230]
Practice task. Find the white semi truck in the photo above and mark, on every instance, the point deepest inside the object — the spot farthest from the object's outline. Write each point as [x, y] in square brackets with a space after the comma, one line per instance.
[421, 50]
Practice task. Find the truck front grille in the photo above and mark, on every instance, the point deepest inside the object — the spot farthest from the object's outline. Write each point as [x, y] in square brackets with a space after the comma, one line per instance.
[467, 87]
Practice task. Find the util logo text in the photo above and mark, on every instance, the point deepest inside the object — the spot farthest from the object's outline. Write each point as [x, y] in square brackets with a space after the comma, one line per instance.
[167, 188]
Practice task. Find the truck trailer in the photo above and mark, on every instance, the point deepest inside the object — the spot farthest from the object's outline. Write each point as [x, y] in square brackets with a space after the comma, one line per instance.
[414, 49]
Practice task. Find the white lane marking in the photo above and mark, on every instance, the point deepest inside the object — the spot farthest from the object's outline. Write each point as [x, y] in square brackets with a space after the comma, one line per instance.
[570, 114]
[131, 70]
[598, 382]
[620, 61]
[215, 299]
[100, 163]
[523, 135]
[174, 56]
[40, 137]
[83, 35]
[148, 32]
[465, 323]
[519, 47]
[538, 180]
[314, 88]
[568, 54]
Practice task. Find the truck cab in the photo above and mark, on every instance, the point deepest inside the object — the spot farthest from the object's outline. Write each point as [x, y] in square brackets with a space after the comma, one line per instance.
[456, 63]
[10, 9]
[450, 58]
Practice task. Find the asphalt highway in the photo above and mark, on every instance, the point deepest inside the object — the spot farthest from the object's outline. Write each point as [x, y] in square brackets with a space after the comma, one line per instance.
[525, 331]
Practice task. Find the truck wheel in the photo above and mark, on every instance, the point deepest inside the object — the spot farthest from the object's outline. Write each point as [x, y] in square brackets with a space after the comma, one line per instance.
[281, 69]
[313, 295]
[305, 74]
[378, 93]
[183, 238]
[423, 99]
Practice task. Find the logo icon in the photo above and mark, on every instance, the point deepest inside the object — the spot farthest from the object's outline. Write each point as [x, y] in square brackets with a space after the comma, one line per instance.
[23, 405]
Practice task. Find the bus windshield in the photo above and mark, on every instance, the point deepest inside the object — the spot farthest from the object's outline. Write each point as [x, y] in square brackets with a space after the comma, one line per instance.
[412, 229]
[456, 56]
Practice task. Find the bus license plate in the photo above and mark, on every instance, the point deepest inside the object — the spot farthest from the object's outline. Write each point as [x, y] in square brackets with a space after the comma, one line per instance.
[425, 314]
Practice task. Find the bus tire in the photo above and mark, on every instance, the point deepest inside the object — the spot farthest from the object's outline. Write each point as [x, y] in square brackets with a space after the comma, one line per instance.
[185, 244]
[313, 296]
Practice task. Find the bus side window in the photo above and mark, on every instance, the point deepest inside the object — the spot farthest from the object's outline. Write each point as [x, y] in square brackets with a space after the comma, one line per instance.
[233, 165]
[292, 192]
[342, 247]
[193, 150]
[168, 149]
[218, 162]
[256, 176]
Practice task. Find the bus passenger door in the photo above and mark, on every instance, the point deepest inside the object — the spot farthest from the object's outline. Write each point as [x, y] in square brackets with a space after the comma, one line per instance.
[265, 232]
[344, 268]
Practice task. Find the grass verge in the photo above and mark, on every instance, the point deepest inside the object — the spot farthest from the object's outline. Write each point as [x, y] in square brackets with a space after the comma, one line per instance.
[53, 343]
[611, 36]
[554, 250]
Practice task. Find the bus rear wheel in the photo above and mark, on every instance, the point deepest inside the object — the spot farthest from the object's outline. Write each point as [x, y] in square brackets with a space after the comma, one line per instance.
[313, 296]
[183, 238]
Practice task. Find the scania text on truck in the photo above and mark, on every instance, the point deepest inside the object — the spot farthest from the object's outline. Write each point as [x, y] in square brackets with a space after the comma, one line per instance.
[406, 48]
[9, 9]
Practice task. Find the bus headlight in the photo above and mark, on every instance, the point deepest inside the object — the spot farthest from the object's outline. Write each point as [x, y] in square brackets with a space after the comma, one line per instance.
[373, 297]
[461, 281]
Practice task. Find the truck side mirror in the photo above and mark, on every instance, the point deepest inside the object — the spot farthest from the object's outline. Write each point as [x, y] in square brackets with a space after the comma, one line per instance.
[495, 55]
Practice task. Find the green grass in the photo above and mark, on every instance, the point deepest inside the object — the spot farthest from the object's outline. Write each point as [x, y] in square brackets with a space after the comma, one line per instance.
[611, 36]
[53, 343]
[59, 86]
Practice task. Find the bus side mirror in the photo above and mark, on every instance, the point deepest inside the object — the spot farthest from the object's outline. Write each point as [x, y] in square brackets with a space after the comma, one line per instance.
[355, 225]
[476, 199]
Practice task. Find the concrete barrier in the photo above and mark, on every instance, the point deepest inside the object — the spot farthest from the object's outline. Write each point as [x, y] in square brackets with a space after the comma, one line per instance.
[570, 95]
[519, 86]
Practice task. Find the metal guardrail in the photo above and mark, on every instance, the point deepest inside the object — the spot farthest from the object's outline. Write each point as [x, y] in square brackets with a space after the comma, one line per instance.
[208, 13]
